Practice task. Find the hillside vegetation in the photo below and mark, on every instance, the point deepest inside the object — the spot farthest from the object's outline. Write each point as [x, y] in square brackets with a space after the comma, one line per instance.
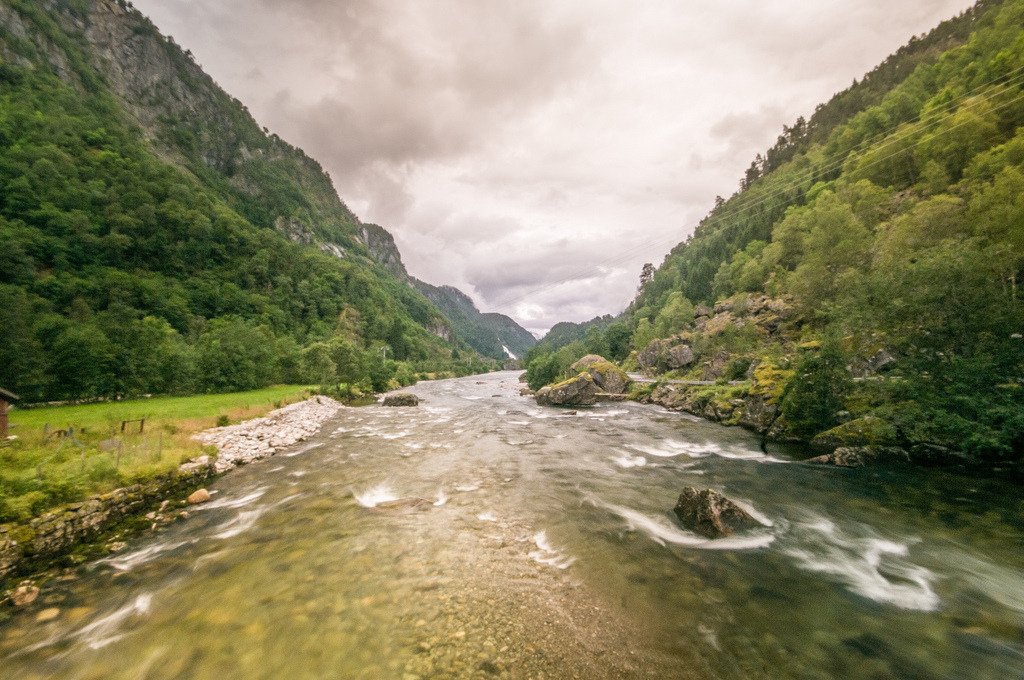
[871, 264]
[156, 240]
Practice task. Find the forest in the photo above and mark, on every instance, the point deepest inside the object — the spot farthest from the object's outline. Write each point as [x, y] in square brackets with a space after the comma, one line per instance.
[890, 220]
[125, 274]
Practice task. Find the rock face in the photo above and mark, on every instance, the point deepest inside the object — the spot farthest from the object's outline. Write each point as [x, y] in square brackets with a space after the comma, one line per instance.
[578, 391]
[669, 354]
[679, 356]
[261, 437]
[401, 399]
[860, 456]
[711, 514]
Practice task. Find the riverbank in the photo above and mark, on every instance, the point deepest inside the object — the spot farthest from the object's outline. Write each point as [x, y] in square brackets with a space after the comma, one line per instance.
[100, 523]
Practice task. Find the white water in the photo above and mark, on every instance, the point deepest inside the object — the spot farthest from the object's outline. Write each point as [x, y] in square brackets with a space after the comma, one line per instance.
[373, 497]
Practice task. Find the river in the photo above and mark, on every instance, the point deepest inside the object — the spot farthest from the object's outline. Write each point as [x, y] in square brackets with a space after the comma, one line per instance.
[543, 548]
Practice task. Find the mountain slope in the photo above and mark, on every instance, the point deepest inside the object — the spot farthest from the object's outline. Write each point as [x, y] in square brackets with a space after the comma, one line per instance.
[869, 267]
[157, 240]
[490, 333]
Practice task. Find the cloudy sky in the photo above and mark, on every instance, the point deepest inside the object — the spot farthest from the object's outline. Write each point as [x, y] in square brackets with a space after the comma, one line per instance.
[535, 153]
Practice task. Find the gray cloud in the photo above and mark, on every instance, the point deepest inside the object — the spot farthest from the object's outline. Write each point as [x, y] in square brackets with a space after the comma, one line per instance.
[536, 154]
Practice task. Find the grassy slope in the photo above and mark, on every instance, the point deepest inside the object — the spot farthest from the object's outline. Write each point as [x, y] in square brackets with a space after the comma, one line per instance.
[38, 472]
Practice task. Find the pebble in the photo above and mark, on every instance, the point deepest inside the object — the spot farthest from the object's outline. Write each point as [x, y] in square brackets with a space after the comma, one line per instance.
[25, 593]
[48, 614]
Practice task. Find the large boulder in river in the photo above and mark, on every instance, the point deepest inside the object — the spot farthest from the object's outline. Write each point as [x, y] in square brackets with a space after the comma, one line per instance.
[578, 391]
[711, 514]
[859, 456]
[609, 378]
[586, 362]
[401, 399]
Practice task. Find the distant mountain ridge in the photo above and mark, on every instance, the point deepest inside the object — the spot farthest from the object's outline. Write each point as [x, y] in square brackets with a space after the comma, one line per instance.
[493, 335]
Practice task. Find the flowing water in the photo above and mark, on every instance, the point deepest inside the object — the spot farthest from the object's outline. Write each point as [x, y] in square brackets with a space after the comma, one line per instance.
[480, 535]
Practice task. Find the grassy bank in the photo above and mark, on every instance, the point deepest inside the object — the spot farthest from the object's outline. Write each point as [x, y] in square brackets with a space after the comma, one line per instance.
[64, 454]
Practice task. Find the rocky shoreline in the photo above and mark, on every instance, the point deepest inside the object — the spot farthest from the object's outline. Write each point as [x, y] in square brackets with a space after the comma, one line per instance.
[101, 523]
[262, 437]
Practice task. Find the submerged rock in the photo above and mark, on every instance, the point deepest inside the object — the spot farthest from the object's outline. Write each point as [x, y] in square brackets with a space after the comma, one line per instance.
[578, 391]
[401, 399]
[411, 504]
[859, 456]
[26, 593]
[711, 514]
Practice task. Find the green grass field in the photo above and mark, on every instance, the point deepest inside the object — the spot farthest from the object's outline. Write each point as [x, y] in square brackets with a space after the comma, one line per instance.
[41, 468]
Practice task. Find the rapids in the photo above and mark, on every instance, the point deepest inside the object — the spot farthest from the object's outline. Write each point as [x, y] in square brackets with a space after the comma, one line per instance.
[480, 535]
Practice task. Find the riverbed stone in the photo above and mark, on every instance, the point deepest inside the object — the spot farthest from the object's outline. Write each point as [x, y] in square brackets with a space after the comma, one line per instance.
[48, 614]
[710, 514]
[578, 391]
[25, 594]
[198, 496]
[401, 399]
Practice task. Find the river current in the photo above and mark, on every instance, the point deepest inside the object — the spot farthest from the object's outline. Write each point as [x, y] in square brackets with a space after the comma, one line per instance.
[480, 535]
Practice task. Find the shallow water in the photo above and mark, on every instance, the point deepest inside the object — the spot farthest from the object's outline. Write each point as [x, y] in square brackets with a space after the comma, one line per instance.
[480, 535]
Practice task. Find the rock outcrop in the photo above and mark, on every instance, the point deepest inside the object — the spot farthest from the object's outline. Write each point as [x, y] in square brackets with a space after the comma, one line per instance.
[860, 456]
[711, 514]
[578, 391]
[401, 399]
[669, 354]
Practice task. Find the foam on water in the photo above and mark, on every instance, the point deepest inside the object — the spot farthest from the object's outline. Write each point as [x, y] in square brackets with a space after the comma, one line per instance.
[442, 498]
[244, 521]
[303, 449]
[662, 530]
[671, 448]
[100, 632]
[371, 498]
[627, 461]
[239, 502]
[871, 566]
[131, 560]
[487, 517]
[547, 554]
[467, 488]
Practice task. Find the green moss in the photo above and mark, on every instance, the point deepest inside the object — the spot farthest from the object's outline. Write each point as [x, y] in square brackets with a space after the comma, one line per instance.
[770, 381]
[866, 431]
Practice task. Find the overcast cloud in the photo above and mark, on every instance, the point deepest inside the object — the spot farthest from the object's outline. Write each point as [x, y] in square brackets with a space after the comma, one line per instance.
[536, 153]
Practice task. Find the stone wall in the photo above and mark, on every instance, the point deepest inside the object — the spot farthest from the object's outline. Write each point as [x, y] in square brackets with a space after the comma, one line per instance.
[33, 543]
